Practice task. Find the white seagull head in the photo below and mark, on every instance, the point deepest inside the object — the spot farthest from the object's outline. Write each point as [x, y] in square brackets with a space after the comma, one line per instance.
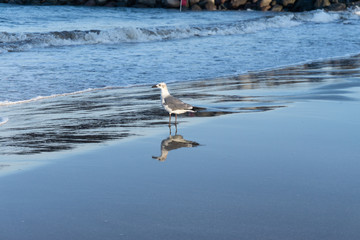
[160, 85]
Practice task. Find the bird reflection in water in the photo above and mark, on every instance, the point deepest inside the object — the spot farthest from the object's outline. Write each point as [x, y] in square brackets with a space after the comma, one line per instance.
[173, 142]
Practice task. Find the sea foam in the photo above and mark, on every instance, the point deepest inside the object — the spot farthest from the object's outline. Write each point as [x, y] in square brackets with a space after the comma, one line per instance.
[10, 42]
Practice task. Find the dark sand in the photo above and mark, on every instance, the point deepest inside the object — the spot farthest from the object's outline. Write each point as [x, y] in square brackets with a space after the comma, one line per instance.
[289, 173]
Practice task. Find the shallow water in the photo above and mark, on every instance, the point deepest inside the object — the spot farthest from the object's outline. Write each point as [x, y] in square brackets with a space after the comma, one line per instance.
[285, 174]
[42, 53]
[280, 163]
[87, 81]
[66, 122]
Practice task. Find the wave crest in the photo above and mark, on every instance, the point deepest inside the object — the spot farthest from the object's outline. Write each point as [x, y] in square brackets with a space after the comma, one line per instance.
[24, 41]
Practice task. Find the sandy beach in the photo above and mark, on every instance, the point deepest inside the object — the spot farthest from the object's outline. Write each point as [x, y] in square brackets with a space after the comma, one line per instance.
[278, 167]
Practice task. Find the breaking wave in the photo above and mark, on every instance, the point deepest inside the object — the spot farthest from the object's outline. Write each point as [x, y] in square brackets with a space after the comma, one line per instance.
[17, 42]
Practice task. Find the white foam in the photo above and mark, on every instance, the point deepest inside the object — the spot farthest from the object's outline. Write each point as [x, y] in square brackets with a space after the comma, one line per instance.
[325, 17]
[38, 98]
[3, 120]
[357, 11]
[26, 41]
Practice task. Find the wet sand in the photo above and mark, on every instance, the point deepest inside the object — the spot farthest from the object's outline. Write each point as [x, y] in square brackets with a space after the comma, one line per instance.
[285, 166]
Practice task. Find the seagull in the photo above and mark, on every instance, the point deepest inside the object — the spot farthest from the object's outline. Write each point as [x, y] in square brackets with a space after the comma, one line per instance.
[172, 104]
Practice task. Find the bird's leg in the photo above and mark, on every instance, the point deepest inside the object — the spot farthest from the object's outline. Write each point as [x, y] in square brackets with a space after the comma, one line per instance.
[169, 119]
[175, 119]
[175, 129]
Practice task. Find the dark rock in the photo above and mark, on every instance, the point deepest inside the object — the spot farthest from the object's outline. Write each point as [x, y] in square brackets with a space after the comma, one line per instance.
[277, 8]
[250, 5]
[171, 3]
[111, 4]
[196, 7]
[210, 6]
[36, 2]
[236, 4]
[356, 3]
[80, 2]
[263, 4]
[303, 5]
[336, 7]
[122, 3]
[266, 8]
[321, 4]
[90, 3]
[51, 2]
[285, 3]
[101, 2]
[16, 2]
[193, 2]
[148, 3]
[129, 3]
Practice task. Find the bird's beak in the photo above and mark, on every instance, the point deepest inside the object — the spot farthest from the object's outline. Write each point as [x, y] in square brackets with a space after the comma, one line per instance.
[155, 86]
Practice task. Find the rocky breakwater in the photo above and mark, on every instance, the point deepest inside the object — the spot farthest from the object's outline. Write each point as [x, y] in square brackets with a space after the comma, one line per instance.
[210, 5]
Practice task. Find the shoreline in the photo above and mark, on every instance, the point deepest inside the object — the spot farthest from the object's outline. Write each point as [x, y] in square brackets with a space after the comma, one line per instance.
[252, 93]
[263, 175]
[290, 173]
[208, 5]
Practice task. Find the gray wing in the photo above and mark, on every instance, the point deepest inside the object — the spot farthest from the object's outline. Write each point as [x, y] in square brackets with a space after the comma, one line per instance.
[176, 104]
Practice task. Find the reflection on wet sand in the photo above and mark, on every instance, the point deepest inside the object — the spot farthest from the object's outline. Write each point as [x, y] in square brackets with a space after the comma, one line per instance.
[173, 142]
[66, 122]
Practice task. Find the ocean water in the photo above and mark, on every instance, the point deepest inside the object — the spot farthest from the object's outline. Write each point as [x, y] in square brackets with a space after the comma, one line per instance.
[79, 75]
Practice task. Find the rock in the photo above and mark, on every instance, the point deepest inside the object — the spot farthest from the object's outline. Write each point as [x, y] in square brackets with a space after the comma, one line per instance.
[202, 3]
[236, 4]
[210, 6]
[36, 2]
[130, 3]
[171, 3]
[148, 3]
[321, 3]
[101, 2]
[80, 2]
[277, 8]
[196, 7]
[285, 3]
[193, 2]
[336, 7]
[303, 5]
[90, 3]
[51, 2]
[264, 4]
[266, 8]
[122, 3]
[111, 4]
[16, 2]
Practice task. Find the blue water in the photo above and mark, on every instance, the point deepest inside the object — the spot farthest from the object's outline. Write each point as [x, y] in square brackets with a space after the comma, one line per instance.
[78, 75]
[62, 49]
[74, 80]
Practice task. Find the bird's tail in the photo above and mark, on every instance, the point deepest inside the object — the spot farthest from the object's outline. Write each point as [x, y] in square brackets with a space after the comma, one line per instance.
[197, 109]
